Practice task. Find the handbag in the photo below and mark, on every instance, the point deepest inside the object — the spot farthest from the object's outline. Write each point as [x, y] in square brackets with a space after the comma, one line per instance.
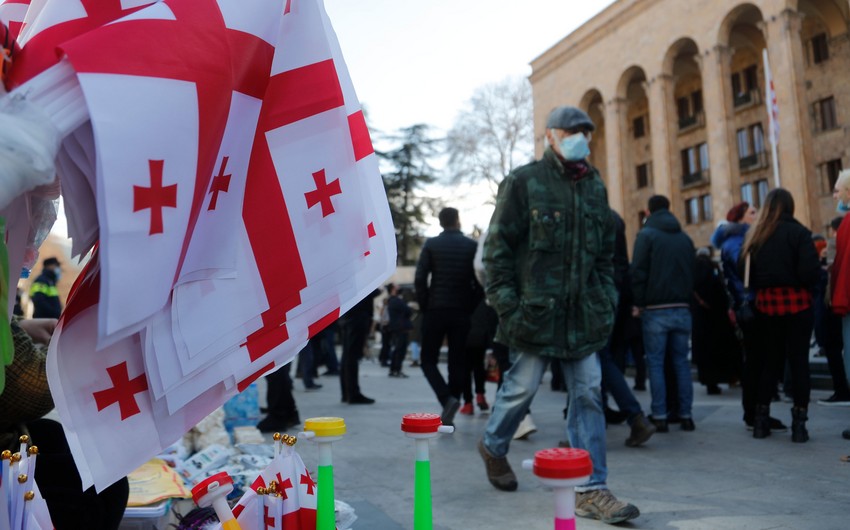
[745, 313]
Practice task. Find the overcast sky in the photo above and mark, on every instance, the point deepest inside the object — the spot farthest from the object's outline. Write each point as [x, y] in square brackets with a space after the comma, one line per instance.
[419, 61]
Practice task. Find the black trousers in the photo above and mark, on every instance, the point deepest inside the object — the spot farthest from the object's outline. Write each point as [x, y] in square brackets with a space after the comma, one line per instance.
[453, 325]
[776, 338]
[355, 329]
[70, 507]
[280, 403]
[399, 349]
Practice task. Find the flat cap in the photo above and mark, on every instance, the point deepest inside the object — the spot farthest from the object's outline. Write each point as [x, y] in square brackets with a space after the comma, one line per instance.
[569, 118]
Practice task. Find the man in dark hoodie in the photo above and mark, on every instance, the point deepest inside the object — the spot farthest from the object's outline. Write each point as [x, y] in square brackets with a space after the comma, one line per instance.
[663, 284]
[43, 293]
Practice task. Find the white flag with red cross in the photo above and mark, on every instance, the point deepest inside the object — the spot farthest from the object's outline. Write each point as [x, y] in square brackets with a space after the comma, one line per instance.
[292, 503]
[240, 210]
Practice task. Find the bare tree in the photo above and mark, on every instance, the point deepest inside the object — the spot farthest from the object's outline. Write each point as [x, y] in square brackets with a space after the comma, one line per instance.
[492, 134]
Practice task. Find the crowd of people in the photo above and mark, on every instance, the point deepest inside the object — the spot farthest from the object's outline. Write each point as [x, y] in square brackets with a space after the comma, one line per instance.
[554, 287]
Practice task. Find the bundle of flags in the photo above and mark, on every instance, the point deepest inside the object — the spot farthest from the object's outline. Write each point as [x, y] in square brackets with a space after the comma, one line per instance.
[282, 497]
[21, 505]
[218, 174]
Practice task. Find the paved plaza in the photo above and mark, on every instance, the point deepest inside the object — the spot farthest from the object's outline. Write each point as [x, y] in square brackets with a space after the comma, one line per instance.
[717, 477]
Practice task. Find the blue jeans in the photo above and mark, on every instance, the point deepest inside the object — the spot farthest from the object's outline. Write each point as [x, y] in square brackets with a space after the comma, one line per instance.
[614, 382]
[585, 419]
[666, 332]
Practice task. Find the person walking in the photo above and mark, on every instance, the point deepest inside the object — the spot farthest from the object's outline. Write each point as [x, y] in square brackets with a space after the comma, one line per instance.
[398, 327]
[447, 292]
[355, 325]
[548, 259]
[663, 283]
[781, 266]
[840, 282]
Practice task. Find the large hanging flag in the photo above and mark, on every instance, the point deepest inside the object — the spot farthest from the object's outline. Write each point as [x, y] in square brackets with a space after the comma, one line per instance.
[773, 117]
[239, 204]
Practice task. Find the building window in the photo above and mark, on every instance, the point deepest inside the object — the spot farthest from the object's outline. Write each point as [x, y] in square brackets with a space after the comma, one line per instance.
[751, 152]
[639, 128]
[707, 214]
[690, 109]
[747, 194]
[820, 48]
[754, 193]
[745, 86]
[828, 172]
[642, 176]
[692, 211]
[698, 210]
[761, 192]
[695, 164]
[825, 115]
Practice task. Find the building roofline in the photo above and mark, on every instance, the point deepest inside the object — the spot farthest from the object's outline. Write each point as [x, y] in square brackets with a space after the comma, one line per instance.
[598, 27]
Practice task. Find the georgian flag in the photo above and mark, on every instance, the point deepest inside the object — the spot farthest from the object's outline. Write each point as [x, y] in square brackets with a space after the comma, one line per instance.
[232, 182]
[293, 509]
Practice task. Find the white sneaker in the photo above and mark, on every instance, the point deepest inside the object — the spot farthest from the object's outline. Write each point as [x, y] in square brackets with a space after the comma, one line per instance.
[526, 428]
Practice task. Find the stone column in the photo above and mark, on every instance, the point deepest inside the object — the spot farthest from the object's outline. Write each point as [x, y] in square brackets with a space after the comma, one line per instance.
[616, 131]
[796, 166]
[662, 126]
[719, 125]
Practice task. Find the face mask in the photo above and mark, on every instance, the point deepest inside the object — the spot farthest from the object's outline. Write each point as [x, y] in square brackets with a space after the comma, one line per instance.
[57, 273]
[574, 147]
[842, 207]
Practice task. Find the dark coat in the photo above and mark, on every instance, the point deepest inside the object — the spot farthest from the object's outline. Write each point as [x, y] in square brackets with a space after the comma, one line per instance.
[447, 260]
[663, 262]
[400, 314]
[787, 259]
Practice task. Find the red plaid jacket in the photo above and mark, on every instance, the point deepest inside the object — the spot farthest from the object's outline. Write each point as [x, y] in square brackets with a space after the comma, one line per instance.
[779, 301]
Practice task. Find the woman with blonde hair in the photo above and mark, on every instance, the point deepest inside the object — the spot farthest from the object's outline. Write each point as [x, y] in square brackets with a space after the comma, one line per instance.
[781, 264]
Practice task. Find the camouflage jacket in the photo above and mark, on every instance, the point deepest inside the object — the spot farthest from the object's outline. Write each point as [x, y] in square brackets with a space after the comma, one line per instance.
[548, 258]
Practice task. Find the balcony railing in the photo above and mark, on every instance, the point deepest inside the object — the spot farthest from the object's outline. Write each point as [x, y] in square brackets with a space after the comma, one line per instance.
[695, 179]
[747, 99]
[753, 162]
[687, 123]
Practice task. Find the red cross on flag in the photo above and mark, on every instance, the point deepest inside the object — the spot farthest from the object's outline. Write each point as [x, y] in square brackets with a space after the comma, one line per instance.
[297, 493]
[229, 178]
[12, 14]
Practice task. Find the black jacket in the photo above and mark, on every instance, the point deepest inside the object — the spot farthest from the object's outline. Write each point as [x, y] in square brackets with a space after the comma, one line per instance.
[663, 263]
[447, 259]
[787, 259]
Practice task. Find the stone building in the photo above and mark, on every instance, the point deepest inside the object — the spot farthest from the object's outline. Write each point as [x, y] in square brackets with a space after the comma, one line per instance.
[677, 90]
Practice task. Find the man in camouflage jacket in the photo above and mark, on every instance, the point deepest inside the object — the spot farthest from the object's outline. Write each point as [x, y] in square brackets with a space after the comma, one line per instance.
[548, 258]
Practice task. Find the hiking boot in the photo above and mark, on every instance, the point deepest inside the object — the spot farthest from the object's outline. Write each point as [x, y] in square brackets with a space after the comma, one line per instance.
[603, 505]
[688, 424]
[499, 472]
[467, 409]
[482, 402]
[642, 430]
[775, 425]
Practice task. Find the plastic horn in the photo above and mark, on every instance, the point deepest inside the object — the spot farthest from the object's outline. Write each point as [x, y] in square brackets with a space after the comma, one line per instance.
[325, 431]
[422, 428]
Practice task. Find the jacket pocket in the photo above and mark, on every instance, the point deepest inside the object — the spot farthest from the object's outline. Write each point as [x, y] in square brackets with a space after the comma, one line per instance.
[546, 229]
[595, 315]
[533, 322]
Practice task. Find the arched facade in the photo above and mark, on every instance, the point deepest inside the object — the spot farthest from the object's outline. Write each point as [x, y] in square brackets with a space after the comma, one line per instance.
[687, 115]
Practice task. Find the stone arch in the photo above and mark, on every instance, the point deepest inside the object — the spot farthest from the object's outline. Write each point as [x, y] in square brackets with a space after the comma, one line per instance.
[746, 15]
[834, 15]
[593, 103]
[680, 51]
[632, 74]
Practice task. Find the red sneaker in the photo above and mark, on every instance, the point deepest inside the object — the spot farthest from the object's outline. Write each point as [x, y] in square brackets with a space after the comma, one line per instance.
[482, 402]
[467, 409]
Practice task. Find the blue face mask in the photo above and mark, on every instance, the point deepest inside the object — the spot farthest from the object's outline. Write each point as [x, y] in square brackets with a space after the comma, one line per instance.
[574, 148]
[842, 207]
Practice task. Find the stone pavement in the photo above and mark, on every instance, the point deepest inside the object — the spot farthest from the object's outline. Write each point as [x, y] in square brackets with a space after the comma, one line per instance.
[717, 477]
